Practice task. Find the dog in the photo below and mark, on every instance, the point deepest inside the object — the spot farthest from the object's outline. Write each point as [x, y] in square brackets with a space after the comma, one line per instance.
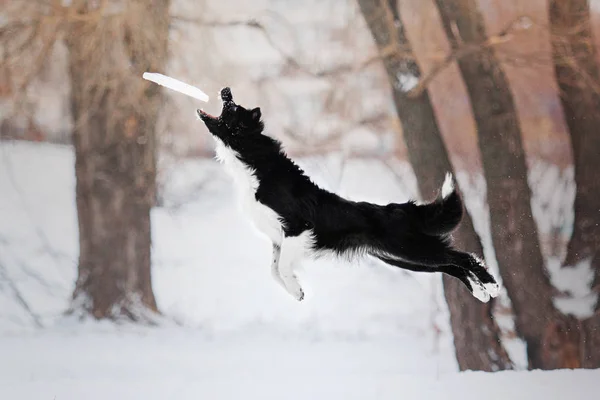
[303, 220]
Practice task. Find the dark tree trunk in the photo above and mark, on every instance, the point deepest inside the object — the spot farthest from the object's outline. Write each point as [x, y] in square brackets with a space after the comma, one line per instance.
[578, 77]
[476, 334]
[513, 228]
[115, 112]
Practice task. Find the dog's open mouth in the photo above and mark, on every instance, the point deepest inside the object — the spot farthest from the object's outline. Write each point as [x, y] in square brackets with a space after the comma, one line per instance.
[204, 114]
[228, 104]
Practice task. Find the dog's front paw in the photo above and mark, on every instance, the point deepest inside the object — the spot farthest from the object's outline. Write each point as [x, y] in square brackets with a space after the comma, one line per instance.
[297, 293]
[292, 286]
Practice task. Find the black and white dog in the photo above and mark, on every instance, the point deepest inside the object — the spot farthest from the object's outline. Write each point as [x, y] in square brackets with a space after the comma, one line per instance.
[303, 220]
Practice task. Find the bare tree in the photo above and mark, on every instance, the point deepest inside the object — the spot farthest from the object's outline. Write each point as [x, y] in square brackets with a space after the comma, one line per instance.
[115, 115]
[552, 338]
[476, 334]
[110, 44]
[578, 77]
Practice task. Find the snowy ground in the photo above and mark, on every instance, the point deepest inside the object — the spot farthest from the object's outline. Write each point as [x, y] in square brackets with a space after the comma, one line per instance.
[182, 364]
[364, 331]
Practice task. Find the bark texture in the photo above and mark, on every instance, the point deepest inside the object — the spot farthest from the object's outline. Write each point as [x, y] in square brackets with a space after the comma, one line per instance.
[548, 334]
[115, 112]
[578, 77]
[476, 334]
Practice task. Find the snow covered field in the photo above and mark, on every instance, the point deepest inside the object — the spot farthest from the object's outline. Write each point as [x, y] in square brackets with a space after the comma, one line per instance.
[183, 364]
[229, 332]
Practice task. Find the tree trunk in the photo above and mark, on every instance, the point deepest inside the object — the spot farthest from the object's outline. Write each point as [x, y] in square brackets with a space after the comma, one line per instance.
[578, 77]
[476, 334]
[513, 228]
[115, 112]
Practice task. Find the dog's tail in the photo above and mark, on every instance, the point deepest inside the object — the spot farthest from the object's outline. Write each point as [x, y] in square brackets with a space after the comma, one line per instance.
[442, 215]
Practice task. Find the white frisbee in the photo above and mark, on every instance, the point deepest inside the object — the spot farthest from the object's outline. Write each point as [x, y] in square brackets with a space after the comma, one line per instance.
[176, 85]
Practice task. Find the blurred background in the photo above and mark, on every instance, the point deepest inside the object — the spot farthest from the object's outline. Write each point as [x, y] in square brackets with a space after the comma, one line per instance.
[120, 239]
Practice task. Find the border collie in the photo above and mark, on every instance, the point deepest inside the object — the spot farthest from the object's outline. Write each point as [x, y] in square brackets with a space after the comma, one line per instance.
[304, 220]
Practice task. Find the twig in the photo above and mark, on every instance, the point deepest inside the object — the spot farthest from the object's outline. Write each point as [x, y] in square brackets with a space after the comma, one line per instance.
[44, 240]
[289, 60]
[505, 35]
[250, 23]
[19, 297]
[335, 136]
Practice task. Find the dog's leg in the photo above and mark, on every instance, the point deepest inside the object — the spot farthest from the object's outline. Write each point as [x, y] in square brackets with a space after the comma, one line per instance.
[477, 269]
[475, 286]
[275, 264]
[433, 252]
[471, 281]
[293, 249]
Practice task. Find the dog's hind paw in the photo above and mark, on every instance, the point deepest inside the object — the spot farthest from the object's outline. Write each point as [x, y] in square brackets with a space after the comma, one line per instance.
[492, 288]
[478, 290]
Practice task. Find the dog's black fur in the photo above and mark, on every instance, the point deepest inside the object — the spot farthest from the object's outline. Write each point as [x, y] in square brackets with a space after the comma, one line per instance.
[407, 235]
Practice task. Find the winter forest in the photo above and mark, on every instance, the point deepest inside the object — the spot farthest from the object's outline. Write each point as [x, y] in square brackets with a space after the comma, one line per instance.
[128, 271]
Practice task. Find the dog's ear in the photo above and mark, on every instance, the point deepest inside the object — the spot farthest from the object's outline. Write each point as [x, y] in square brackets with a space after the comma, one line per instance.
[256, 114]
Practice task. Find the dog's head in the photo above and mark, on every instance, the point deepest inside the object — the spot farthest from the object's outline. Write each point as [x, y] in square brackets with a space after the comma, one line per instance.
[235, 122]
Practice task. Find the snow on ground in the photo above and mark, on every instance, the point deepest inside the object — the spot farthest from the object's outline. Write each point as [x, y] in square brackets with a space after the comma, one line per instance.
[180, 364]
[364, 330]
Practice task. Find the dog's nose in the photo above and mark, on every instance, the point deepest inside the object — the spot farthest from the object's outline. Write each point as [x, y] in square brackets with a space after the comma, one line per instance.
[226, 94]
[229, 106]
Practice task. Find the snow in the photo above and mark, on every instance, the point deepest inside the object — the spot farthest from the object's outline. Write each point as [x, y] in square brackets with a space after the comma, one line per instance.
[182, 364]
[554, 193]
[228, 331]
[448, 185]
[406, 81]
[552, 206]
[575, 283]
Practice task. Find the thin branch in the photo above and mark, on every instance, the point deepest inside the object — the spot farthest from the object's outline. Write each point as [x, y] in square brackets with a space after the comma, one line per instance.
[39, 231]
[289, 60]
[250, 23]
[518, 24]
[332, 140]
[19, 297]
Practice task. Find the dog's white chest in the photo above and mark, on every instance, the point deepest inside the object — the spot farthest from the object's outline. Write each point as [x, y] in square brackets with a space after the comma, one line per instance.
[264, 218]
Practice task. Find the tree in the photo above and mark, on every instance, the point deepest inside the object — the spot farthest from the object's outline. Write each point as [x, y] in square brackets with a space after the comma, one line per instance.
[552, 338]
[476, 334]
[110, 44]
[114, 114]
[578, 76]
